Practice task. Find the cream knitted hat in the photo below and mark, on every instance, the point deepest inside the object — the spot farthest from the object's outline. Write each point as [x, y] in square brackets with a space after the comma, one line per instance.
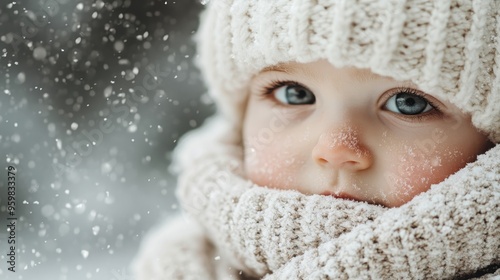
[448, 48]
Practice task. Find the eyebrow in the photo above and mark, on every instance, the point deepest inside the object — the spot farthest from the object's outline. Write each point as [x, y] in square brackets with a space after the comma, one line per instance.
[284, 68]
[278, 68]
[361, 75]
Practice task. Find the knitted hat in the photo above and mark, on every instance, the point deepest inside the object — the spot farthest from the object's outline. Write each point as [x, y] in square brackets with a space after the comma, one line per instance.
[447, 48]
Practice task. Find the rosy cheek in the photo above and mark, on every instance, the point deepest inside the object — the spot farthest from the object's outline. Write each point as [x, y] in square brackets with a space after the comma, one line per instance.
[270, 166]
[416, 169]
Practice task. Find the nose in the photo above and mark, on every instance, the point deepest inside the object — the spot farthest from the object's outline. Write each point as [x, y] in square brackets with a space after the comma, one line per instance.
[341, 148]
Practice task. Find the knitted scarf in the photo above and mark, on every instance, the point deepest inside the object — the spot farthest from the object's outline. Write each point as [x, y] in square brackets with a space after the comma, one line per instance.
[451, 230]
[244, 230]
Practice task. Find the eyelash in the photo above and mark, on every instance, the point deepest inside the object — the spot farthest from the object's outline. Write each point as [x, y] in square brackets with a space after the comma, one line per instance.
[436, 112]
[275, 84]
[269, 88]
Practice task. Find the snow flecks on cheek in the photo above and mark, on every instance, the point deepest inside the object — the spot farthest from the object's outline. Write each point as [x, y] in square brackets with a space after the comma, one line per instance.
[272, 166]
[414, 170]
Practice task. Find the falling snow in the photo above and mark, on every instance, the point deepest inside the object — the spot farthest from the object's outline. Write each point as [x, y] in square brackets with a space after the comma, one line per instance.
[85, 254]
[39, 53]
[93, 98]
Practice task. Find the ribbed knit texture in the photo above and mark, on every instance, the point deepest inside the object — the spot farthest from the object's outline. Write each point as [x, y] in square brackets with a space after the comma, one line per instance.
[447, 48]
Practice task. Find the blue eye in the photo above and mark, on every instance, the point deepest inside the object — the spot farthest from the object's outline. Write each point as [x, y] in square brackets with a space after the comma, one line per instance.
[408, 104]
[294, 95]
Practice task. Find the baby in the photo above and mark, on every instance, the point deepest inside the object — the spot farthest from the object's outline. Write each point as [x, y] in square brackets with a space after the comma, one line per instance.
[353, 140]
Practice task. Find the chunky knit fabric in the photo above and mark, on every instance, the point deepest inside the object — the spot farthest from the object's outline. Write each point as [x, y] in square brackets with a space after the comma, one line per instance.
[448, 48]
[237, 229]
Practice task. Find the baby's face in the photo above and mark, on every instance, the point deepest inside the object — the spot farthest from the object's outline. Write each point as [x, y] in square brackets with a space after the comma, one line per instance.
[352, 134]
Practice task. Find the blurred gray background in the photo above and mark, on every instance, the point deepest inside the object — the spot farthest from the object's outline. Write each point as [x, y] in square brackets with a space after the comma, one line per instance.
[94, 96]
